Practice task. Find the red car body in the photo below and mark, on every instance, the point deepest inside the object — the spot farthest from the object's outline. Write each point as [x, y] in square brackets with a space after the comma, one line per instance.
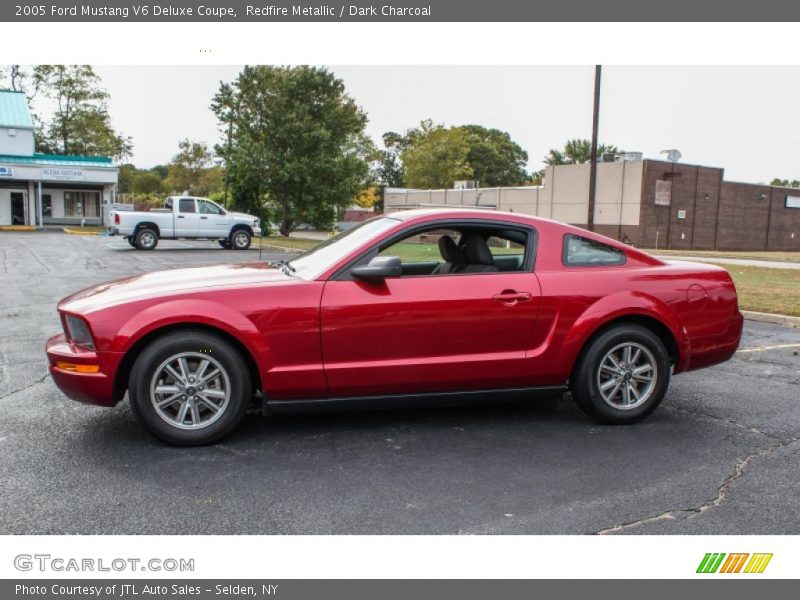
[326, 338]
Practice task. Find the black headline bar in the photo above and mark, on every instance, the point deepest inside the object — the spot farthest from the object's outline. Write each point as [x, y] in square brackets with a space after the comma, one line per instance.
[400, 11]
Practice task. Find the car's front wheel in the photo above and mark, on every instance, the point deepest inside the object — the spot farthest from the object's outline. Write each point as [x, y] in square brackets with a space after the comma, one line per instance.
[623, 375]
[240, 239]
[190, 388]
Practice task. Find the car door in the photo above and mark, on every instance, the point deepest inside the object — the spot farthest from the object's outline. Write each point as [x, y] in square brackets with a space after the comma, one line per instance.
[214, 221]
[187, 221]
[428, 333]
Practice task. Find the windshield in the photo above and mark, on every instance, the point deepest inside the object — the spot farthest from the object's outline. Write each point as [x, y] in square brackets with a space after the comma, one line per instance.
[313, 263]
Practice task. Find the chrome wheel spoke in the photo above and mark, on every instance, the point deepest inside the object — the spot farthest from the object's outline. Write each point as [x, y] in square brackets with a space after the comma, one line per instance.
[180, 392]
[627, 375]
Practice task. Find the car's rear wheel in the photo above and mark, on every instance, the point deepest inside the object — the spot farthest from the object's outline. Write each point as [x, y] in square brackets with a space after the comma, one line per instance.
[145, 239]
[190, 388]
[225, 244]
[240, 239]
[623, 375]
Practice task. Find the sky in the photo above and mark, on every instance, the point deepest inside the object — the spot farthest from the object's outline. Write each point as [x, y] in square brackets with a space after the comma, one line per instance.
[744, 119]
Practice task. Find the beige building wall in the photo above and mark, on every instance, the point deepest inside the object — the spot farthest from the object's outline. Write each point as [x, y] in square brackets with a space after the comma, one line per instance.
[563, 197]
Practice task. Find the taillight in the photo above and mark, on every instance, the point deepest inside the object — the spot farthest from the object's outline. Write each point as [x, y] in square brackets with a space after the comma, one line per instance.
[116, 219]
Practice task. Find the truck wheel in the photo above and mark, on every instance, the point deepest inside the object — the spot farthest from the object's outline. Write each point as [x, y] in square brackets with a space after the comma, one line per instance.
[225, 244]
[240, 239]
[622, 375]
[190, 388]
[146, 239]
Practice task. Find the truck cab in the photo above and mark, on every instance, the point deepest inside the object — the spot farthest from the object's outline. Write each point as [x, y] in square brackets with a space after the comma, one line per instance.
[185, 217]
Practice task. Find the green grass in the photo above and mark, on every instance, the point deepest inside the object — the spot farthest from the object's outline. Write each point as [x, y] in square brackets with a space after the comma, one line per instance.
[748, 255]
[767, 290]
[279, 241]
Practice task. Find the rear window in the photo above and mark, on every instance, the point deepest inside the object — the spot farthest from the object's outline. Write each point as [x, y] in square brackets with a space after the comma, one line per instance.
[187, 205]
[583, 252]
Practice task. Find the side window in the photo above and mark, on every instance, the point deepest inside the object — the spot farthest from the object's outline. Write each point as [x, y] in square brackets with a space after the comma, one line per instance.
[208, 208]
[583, 252]
[168, 203]
[187, 205]
[421, 247]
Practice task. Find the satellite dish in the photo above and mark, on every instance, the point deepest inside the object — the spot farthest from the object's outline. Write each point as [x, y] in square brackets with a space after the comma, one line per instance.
[672, 155]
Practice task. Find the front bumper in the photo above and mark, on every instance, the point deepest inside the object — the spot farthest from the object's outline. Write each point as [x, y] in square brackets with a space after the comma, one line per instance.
[89, 388]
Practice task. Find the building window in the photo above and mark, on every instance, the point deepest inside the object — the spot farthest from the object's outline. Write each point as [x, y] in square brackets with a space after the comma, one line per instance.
[47, 205]
[82, 204]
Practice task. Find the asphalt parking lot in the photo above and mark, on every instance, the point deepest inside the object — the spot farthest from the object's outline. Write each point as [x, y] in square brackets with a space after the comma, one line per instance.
[721, 456]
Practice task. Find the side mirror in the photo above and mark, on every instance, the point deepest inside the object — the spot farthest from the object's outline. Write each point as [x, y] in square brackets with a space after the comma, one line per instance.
[379, 268]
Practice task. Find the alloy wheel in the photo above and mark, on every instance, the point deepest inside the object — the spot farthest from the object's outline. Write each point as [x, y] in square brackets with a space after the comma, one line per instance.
[626, 377]
[190, 390]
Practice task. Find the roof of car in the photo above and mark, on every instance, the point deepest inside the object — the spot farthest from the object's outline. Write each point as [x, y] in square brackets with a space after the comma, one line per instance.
[405, 215]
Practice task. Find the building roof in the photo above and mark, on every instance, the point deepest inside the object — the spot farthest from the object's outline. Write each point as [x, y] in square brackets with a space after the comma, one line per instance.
[14, 110]
[95, 162]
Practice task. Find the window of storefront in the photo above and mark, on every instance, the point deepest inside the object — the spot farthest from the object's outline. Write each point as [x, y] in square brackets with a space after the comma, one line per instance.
[47, 205]
[81, 204]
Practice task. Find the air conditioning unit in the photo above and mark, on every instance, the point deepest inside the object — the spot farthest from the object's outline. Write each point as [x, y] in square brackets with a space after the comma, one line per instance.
[467, 184]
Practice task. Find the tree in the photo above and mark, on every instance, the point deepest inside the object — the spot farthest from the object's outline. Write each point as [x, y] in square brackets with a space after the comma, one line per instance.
[298, 151]
[436, 157]
[187, 168]
[81, 123]
[146, 182]
[495, 159]
[492, 157]
[576, 151]
[785, 183]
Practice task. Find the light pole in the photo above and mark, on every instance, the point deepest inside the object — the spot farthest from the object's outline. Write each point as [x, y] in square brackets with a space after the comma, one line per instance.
[593, 163]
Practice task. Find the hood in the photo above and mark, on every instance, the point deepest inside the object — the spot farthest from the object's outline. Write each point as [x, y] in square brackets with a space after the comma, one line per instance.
[238, 215]
[173, 281]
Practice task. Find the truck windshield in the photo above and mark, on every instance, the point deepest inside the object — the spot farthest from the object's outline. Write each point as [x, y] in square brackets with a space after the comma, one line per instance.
[313, 263]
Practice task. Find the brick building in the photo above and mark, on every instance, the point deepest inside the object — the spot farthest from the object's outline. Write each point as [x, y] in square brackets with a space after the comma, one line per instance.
[651, 203]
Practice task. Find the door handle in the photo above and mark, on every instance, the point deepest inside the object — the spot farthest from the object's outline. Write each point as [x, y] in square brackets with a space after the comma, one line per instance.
[203, 217]
[511, 297]
[180, 216]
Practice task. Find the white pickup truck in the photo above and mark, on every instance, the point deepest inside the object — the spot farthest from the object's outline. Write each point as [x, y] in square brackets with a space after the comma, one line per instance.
[185, 217]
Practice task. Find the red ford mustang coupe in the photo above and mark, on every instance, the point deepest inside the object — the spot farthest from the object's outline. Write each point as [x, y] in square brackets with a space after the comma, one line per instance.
[417, 307]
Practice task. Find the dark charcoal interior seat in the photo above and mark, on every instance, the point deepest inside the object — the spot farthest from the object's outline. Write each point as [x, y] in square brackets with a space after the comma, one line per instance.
[453, 258]
[479, 257]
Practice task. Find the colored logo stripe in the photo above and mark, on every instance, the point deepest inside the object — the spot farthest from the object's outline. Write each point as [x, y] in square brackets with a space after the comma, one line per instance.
[733, 564]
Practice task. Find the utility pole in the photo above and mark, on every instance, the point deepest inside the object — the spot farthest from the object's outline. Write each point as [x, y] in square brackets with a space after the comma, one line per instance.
[593, 165]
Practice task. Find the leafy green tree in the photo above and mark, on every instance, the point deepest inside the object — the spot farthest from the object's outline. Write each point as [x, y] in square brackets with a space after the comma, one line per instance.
[146, 182]
[576, 151]
[297, 150]
[494, 157]
[436, 157]
[785, 183]
[187, 168]
[81, 123]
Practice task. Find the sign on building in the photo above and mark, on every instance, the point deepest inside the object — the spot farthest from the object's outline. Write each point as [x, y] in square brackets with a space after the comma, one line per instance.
[663, 192]
[62, 174]
[792, 201]
[6, 172]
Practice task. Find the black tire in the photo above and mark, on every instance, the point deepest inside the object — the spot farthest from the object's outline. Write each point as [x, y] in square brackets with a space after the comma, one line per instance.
[131, 241]
[225, 244]
[145, 239]
[187, 428]
[594, 369]
[240, 239]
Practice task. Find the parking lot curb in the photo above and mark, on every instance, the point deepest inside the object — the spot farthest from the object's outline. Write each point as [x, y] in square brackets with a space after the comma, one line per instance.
[752, 315]
[18, 228]
[79, 232]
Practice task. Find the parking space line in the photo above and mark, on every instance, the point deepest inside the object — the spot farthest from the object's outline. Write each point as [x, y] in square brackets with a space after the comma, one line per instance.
[765, 348]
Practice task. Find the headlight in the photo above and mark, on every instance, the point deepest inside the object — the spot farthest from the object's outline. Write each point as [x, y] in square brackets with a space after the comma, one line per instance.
[78, 332]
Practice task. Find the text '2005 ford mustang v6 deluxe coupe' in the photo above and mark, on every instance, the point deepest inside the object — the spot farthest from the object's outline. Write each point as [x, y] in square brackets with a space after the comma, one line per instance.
[415, 307]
